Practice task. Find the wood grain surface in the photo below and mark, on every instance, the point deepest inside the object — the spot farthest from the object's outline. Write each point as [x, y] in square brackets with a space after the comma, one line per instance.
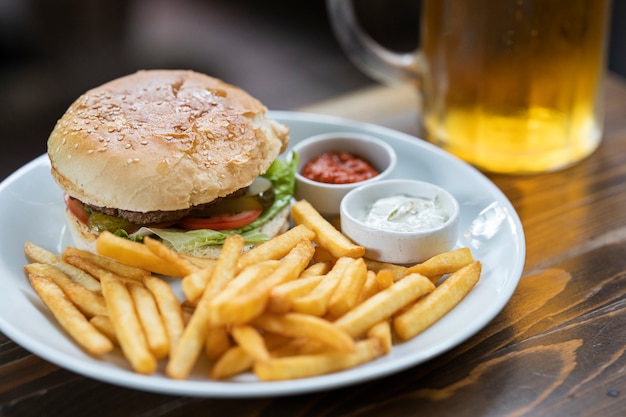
[556, 349]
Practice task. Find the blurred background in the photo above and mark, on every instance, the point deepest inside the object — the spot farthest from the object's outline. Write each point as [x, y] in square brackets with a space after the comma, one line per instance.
[282, 52]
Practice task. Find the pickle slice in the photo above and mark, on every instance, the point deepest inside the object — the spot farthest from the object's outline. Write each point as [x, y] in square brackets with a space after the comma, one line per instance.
[100, 222]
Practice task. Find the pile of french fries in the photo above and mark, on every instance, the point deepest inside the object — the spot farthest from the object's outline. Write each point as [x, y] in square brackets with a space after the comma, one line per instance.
[304, 303]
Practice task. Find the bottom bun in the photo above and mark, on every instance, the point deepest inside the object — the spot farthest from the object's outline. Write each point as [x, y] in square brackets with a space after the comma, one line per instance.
[85, 239]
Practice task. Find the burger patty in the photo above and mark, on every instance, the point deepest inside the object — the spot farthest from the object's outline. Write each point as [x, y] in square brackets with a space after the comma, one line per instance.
[159, 216]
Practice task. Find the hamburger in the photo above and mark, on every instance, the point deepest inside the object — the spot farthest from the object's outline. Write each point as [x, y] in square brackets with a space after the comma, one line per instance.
[176, 154]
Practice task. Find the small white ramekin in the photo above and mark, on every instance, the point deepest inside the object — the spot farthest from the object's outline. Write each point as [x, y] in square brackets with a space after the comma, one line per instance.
[326, 198]
[399, 247]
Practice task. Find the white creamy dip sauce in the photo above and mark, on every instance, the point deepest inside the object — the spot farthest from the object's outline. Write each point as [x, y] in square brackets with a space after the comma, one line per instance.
[403, 213]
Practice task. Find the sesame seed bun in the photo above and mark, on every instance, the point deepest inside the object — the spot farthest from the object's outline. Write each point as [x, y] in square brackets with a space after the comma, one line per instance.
[162, 140]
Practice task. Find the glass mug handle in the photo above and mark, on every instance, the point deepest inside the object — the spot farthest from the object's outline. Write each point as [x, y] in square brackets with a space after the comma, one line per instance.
[369, 56]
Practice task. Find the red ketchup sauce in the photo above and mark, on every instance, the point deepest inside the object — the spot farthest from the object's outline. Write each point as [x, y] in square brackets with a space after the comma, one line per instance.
[338, 167]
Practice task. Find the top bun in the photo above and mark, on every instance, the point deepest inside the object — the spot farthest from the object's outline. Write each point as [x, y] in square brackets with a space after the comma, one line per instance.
[162, 140]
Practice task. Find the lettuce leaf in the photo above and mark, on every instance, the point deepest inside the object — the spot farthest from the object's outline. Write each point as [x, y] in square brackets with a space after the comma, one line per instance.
[186, 241]
[282, 174]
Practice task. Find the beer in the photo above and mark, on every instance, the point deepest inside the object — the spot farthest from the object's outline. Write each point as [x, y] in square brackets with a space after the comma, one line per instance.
[514, 86]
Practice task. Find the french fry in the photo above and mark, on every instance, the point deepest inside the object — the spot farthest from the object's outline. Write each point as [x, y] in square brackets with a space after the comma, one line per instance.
[323, 255]
[316, 302]
[184, 265]
[90, 303]
[110, 264]
[276, 248]
[384, 279]
[317, 364]
[199, 261]
[426, 311]
[104, 325]
[127, 327]
[69, 317]
[317, 269]
[193, 285]
[92, 268]
[346, 293]
[326, 235]
[247, 278]
[290, 267]
[275, 340]
[133, 253]
[251, 342]
[40, 255]
[283, 295]
[169, 308]
[186, 351]
[370, 287]
[384, 304]
[224, 270]
[46, 270]
[217, 342]
[299, 325]
[234, 361]
[150, 320]
[244, 306]
[444, 263]
[299, 346]
[399, 271]
[225, 306]
[382, 332]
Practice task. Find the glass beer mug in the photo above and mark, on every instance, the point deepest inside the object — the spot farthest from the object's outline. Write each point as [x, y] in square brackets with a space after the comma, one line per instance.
[510, 86]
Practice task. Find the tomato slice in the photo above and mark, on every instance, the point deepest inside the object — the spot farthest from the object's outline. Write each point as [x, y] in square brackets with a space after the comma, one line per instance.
[220, 221]
[77, 209]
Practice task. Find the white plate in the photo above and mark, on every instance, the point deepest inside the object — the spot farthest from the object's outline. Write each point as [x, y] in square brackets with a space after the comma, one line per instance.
[31, 208]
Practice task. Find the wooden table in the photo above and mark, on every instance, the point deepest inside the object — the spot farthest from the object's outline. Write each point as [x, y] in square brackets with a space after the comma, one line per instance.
[557, 348]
